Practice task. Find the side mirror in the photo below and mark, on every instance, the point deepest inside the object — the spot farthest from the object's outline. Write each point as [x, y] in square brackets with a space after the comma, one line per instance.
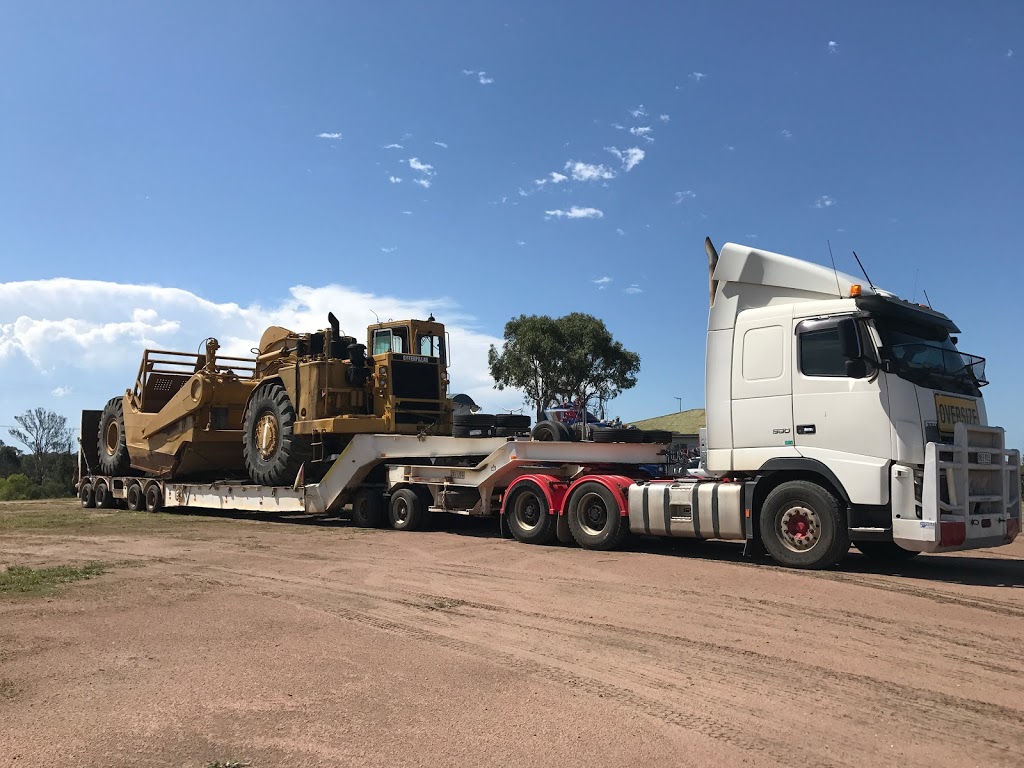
[849, 340]
[857, 369]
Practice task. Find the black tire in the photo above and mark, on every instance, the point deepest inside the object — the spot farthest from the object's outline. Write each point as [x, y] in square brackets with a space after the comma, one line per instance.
[511, 432]
[594, 518]
[549, 432]
[473, 419]
[517, 420]
[104, 498]
[154, 497]
[660, 436]
[86, 495]
[885, 551]
[135, 497]
[528, 516]
[111, 443]
[802, 526]
[406, 510]
[618, 435]
[368, 508]
[273, 452]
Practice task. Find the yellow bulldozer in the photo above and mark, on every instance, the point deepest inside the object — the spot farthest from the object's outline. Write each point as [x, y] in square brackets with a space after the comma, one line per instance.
[294, 404]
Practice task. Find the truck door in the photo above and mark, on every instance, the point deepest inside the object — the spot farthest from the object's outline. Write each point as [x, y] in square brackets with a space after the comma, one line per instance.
[762, 387]
[840, 421]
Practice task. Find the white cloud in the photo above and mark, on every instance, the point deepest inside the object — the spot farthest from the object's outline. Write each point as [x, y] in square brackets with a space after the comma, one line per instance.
[633, 289]
[683, 196]
[540, 182]
[833, 46]
[393, 146]
[602, 281]
[588, 171]
[618, 126]
[407, 213]
[395, 179]
[425, 183]
[50, 331]
[1009, 53]
[416, 165]
[786, 133]
[825, 201]
[480, 76]
[392, 249]
[664, 118]
[638, 112]
[628, 157]
[575, 213]
[621, 231]
[731, 148]
[441, 144]
[557, 178]
[328, 135]
[520, 243]
[642, 131]
[698, 76]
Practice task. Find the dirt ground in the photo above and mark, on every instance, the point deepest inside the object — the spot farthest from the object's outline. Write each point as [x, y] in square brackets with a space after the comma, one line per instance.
[307, 642]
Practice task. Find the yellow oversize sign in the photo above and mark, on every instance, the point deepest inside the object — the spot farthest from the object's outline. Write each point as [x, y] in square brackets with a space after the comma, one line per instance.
[951, 410]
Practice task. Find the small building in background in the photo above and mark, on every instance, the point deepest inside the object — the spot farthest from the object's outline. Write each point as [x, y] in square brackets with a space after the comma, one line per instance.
[685, 427]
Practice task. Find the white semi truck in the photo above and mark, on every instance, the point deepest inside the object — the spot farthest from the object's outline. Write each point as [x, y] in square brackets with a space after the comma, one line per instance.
[837, 413]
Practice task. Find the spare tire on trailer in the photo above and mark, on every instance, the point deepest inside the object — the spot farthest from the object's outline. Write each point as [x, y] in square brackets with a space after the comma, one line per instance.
[512, 420]
[618, 435]
[552, 431]
[112, 445]
[477, 420]
[273, 452]
[662, 436]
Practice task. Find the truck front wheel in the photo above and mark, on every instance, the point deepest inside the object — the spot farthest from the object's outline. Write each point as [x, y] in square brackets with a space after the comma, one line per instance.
[273, 452]
[802, 526]
[594, 517]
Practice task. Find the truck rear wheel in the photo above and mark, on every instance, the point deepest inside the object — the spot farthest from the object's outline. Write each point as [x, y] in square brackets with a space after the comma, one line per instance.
[594, 517]
[885, 551]
[368, 508]
[528, 516]
[802, 526]
[112, 444]
[154, 497]
[136, 499]
[104, 498]
[273, 452]
[407, 511]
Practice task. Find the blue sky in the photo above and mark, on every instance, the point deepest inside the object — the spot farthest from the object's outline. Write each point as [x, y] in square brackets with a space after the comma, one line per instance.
[188, 146]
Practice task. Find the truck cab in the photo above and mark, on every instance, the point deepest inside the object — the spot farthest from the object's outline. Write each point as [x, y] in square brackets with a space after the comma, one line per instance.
[811, 374]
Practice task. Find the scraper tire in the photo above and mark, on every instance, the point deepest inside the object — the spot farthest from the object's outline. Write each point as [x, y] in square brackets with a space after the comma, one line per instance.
[111, 442]
[273, 452]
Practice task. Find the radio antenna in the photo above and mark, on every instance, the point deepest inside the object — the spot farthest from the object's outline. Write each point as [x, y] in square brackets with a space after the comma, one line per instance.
[927, 299]
[916, 273]
[375, 315]
[839, 290]
[870, 284]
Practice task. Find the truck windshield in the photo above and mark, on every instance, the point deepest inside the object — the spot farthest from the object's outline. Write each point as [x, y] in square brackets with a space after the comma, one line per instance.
[926, 355]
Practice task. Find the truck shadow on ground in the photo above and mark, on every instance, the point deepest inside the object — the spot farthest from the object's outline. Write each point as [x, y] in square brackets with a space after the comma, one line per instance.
[946, 569]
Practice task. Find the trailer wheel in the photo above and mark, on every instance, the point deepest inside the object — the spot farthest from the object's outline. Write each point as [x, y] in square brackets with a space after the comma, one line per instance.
[136, 499]
[273, 452]
[528, 516]
[85, 493]
[111, 443]
[802, 526]
[104, 498]
[594, 518]
[885, 551]
[406, 511]
[154, 497]
[368, 508]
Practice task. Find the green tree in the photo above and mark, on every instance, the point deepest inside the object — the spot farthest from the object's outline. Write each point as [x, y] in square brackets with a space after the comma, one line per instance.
[10, 459]
[49, 439]
[573, 358]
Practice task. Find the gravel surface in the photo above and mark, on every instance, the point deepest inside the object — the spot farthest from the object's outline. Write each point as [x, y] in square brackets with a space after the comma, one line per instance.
[307, 642]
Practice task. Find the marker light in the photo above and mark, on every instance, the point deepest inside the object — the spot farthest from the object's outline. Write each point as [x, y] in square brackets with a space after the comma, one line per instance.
[854, 291]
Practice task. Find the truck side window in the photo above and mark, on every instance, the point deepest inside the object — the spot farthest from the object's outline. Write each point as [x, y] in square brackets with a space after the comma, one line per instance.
[820, 354]
[381, 342]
